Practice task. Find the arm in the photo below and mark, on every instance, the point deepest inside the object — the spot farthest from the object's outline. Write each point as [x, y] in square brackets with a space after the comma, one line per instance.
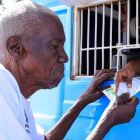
[91, 94]
[120, 111]
[127, 73]
[135, 65]
[63, 125]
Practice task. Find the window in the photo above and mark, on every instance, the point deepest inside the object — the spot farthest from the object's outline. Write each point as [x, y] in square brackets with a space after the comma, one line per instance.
[106, 35]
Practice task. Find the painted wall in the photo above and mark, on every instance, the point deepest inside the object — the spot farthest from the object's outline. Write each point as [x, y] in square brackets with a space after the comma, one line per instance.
[49, 105]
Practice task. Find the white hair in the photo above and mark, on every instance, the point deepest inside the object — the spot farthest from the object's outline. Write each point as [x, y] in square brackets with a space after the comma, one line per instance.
[22, 17]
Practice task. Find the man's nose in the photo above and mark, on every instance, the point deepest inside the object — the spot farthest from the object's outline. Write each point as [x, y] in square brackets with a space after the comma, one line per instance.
[63, 58]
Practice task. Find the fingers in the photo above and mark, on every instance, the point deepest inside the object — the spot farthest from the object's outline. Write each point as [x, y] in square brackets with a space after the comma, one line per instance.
[101, 72]
[134, 101]
[119, 76]
[124, 75]
[123, 98]
[132, 105]
[129, 83]
[130, 75]
[117, 81]
[96, 73]
[103, 76]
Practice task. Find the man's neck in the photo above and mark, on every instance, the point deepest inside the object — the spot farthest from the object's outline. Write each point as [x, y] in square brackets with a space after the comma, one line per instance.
[26, 88]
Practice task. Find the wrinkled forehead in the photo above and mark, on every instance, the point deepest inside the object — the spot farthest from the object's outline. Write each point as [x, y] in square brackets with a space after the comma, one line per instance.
[50, 33]
[52, 28]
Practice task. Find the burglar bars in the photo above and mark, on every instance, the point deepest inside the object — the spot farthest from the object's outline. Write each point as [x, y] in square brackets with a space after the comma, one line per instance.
[113, 12]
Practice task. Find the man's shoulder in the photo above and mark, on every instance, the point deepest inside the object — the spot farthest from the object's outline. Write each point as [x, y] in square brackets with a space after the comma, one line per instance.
[9, 91]
[8, 87]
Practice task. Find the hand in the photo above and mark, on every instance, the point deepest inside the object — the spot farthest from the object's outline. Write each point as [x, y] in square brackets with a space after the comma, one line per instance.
[92, 93]
[123, 109]
[124, 75]
[119, 111]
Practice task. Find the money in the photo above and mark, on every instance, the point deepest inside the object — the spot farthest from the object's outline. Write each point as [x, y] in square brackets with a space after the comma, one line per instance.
[109, 91]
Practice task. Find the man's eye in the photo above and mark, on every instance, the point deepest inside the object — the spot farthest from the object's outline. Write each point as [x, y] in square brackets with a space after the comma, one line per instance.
[53, 46]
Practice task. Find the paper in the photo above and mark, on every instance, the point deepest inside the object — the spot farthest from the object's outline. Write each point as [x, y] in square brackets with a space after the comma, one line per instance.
[109, 92]
[123, 87]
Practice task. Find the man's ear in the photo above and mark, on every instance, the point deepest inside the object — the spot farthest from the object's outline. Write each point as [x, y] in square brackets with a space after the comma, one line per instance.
[14, 47]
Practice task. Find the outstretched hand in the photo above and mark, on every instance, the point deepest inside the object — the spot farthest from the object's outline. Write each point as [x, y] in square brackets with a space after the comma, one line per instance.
[92, 93]
[124, 109]
[124, 75]
[118, 111]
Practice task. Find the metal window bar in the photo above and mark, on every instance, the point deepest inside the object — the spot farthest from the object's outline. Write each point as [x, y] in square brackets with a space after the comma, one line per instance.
[112, 16]
[88, 22]
[81, 40]
[76, 28]
[128, 22]
[108, 47]
[95, 39]
[111, 23]
[103, 33]
[119, 23]
[137, 21]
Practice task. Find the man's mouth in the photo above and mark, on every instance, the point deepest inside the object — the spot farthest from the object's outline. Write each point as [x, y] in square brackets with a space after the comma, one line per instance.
[60, 70]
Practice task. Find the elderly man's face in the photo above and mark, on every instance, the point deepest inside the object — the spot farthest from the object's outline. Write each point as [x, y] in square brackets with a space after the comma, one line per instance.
[46, 56]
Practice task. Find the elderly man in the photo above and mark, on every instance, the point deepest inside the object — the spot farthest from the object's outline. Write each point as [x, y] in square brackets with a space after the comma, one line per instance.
[32, 57]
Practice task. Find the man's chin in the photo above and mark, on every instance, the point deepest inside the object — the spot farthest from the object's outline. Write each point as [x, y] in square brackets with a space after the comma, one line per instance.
[51, 85]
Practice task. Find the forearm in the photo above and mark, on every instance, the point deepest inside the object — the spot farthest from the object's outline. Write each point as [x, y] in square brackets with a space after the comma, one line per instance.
[99, 131]
[135, 65]
[60, 129]
[103, 126]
